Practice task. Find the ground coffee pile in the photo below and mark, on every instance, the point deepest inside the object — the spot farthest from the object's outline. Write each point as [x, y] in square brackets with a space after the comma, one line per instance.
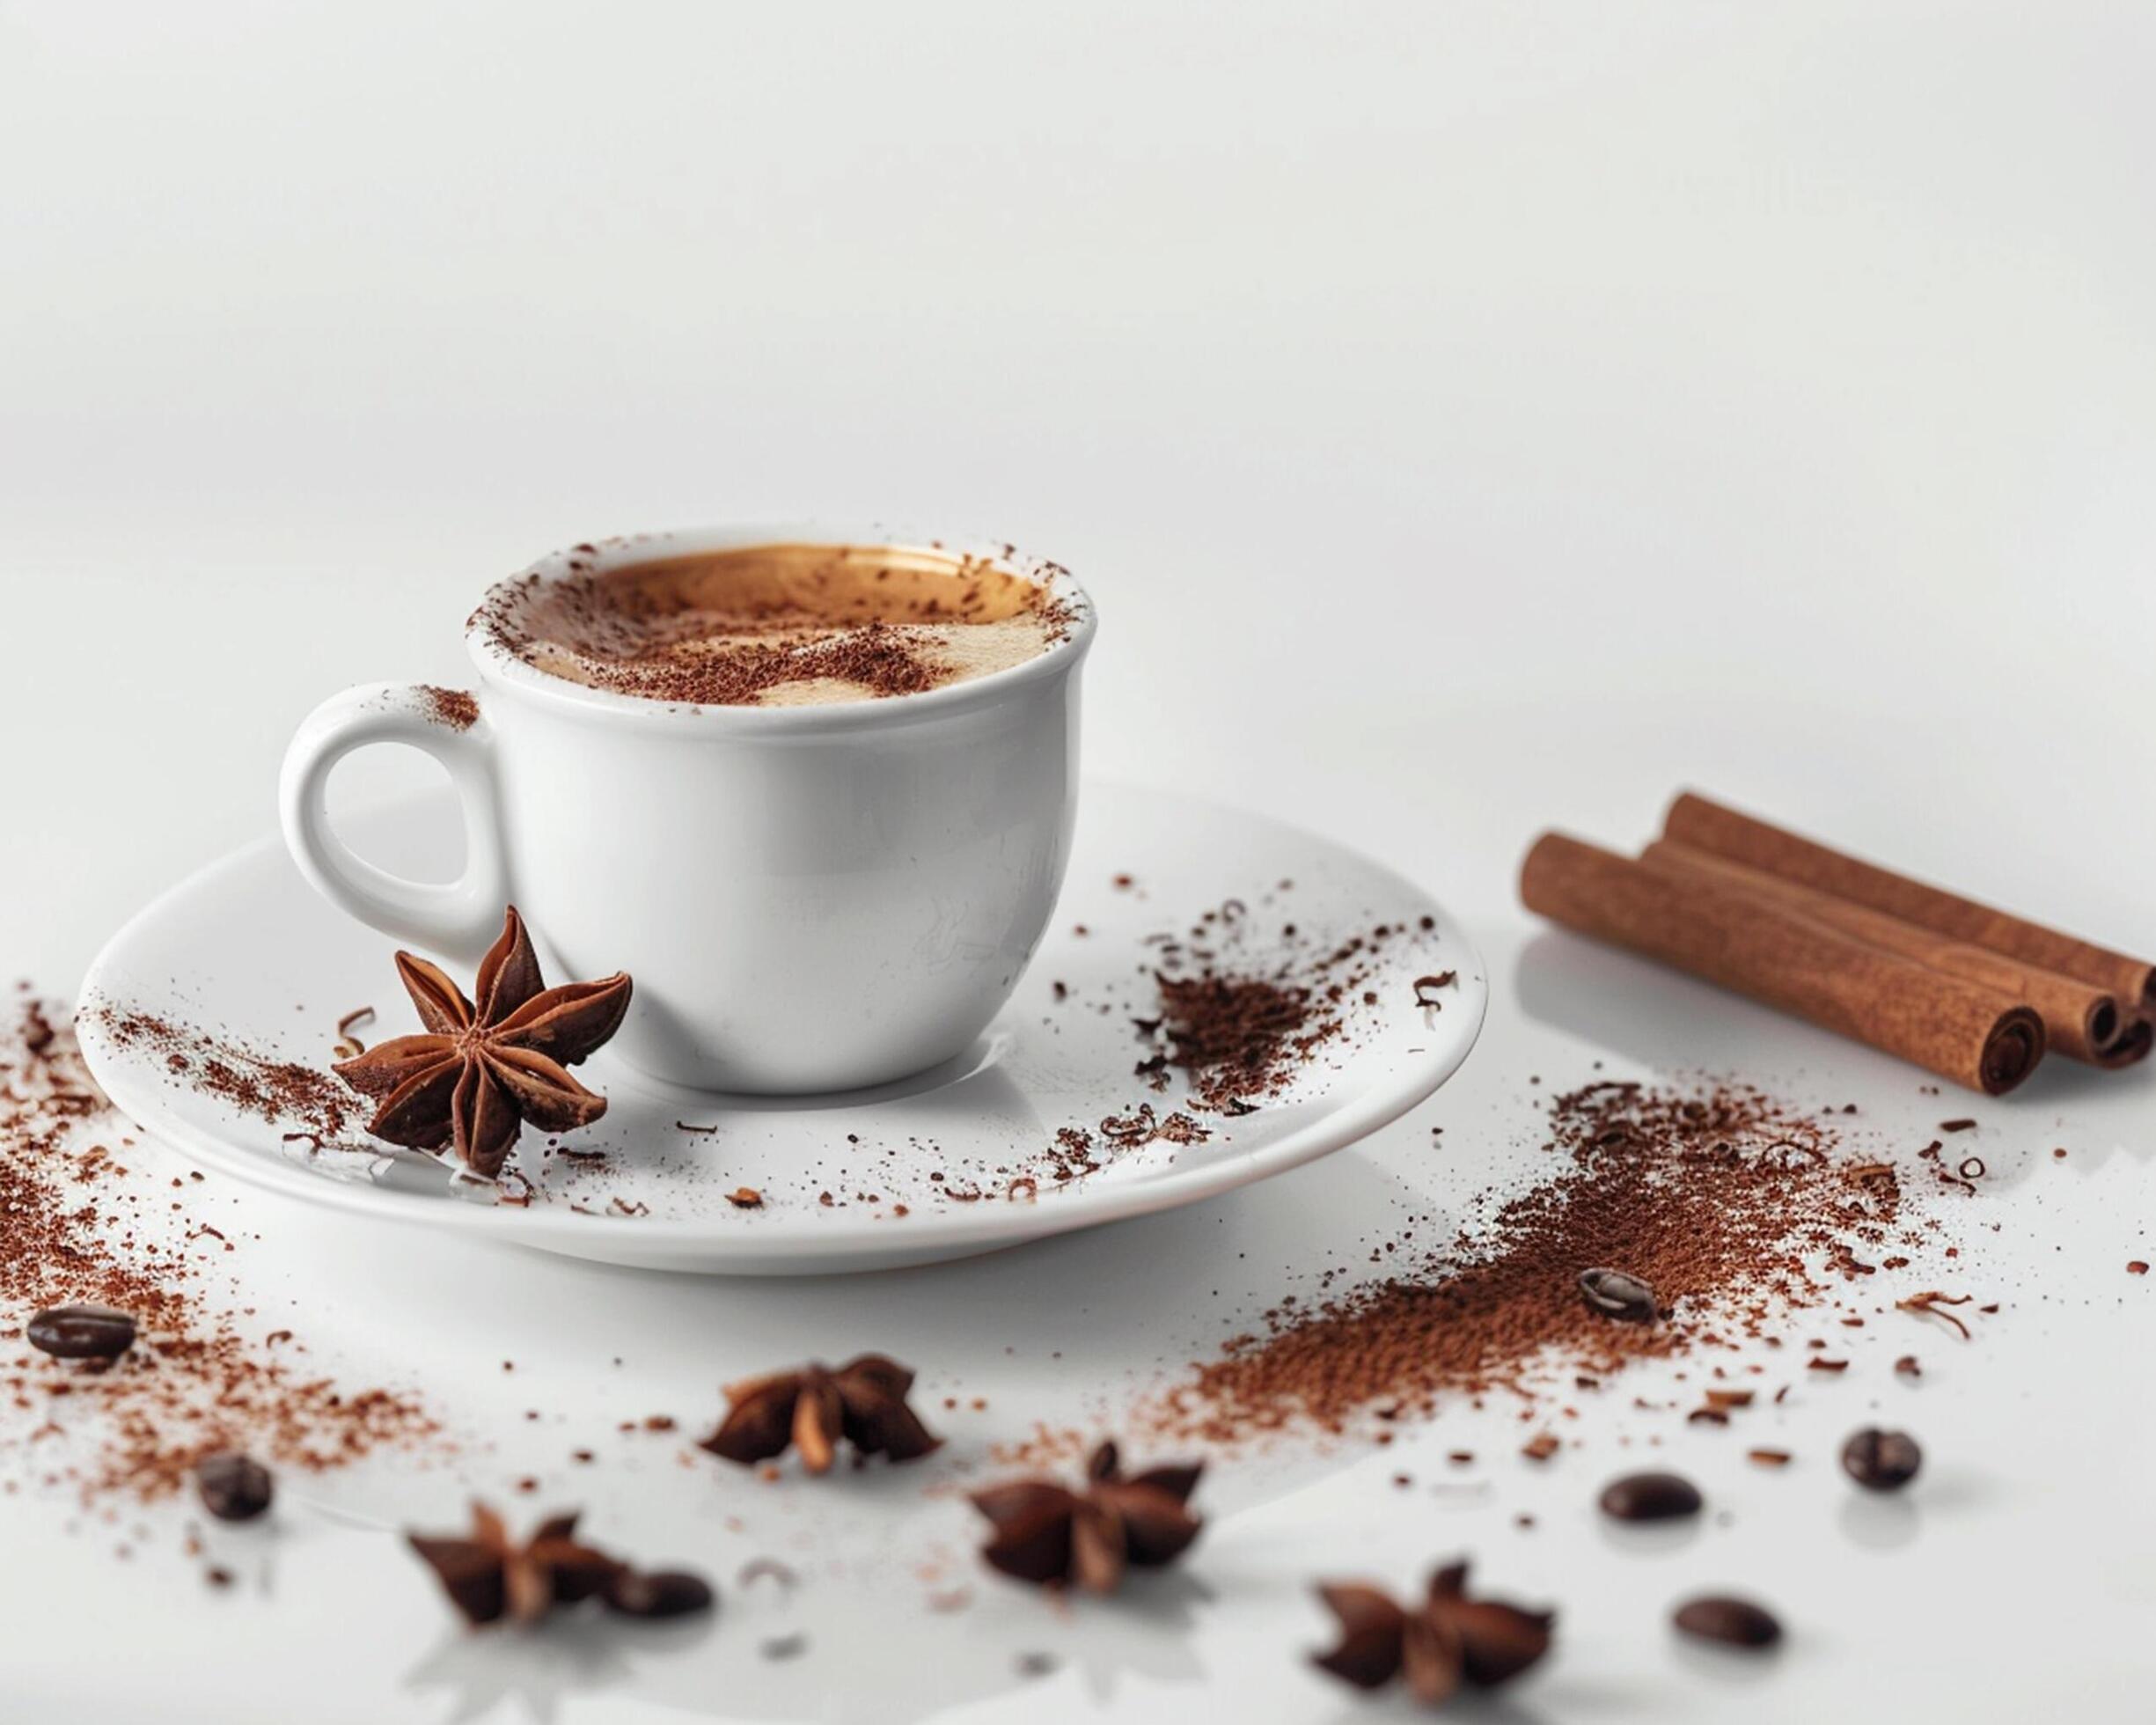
[77, 1226]
[1735, 1208]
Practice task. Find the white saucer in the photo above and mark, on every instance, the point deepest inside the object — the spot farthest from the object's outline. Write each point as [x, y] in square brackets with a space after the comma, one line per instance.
[245, 953]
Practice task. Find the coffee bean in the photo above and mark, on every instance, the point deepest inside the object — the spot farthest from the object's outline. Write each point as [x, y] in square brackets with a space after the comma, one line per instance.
[82, 1333]
[1651, 1497]
[661, 1593]
[233, 1487]
[1615, 1294]
[1881, 1461]
[1738, 1622]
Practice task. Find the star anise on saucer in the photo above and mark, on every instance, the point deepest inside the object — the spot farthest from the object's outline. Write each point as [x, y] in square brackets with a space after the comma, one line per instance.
[488, 1575]
[811, 1410]
[1437, 1646]
[1053, 1536]
[480, 1072]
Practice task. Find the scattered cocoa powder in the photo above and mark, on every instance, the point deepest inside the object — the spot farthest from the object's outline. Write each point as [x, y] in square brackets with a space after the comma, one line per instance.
[256, 1083]
[455, 708]
[195, 1382]
[1238, 1037]
[1731, 1204]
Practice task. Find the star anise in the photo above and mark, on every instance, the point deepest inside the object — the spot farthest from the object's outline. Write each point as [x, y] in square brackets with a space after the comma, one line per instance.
[1447, 1640]
[488, 1575]
[1051, 1536]
[863, 1402]
[480, 1072]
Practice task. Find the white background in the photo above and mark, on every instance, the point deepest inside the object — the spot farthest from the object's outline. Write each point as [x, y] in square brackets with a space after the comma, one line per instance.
[1467, 418]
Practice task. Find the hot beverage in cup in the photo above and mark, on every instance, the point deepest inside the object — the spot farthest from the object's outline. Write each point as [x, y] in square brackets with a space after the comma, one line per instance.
[779, 625]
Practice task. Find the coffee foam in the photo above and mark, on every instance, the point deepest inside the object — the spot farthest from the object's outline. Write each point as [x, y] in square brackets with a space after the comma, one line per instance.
[781, 625]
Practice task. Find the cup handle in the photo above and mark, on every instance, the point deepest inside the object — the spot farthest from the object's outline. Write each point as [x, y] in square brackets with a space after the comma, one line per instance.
[456, 919]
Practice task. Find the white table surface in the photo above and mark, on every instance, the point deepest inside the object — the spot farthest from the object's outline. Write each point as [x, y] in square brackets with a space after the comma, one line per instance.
[1468, 419]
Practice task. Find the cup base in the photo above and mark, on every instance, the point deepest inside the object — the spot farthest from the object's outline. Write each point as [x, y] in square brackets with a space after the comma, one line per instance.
[977, 1054]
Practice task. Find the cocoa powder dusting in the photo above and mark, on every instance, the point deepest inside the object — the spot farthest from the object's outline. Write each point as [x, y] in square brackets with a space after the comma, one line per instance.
[457, 709]
[1237, 1036]
[1245, 1014]
[269, 1089]
[195, 1382]
[1733, 1207]
[875, 657]
[741, 628]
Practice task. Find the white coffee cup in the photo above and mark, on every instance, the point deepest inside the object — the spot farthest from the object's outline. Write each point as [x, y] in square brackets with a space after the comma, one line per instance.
[811, 897]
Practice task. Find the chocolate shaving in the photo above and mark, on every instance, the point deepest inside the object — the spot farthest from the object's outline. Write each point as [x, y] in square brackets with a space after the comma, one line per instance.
[1927, 1304]
[1427, 986]
[347, 1046]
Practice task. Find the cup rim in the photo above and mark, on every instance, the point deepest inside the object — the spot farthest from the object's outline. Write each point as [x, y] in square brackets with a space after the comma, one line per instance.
[503, 669]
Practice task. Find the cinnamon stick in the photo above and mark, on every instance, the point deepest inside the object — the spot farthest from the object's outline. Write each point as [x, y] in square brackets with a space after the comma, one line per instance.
[1981, 1037]
[2080, 1019]
[1707, 825]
